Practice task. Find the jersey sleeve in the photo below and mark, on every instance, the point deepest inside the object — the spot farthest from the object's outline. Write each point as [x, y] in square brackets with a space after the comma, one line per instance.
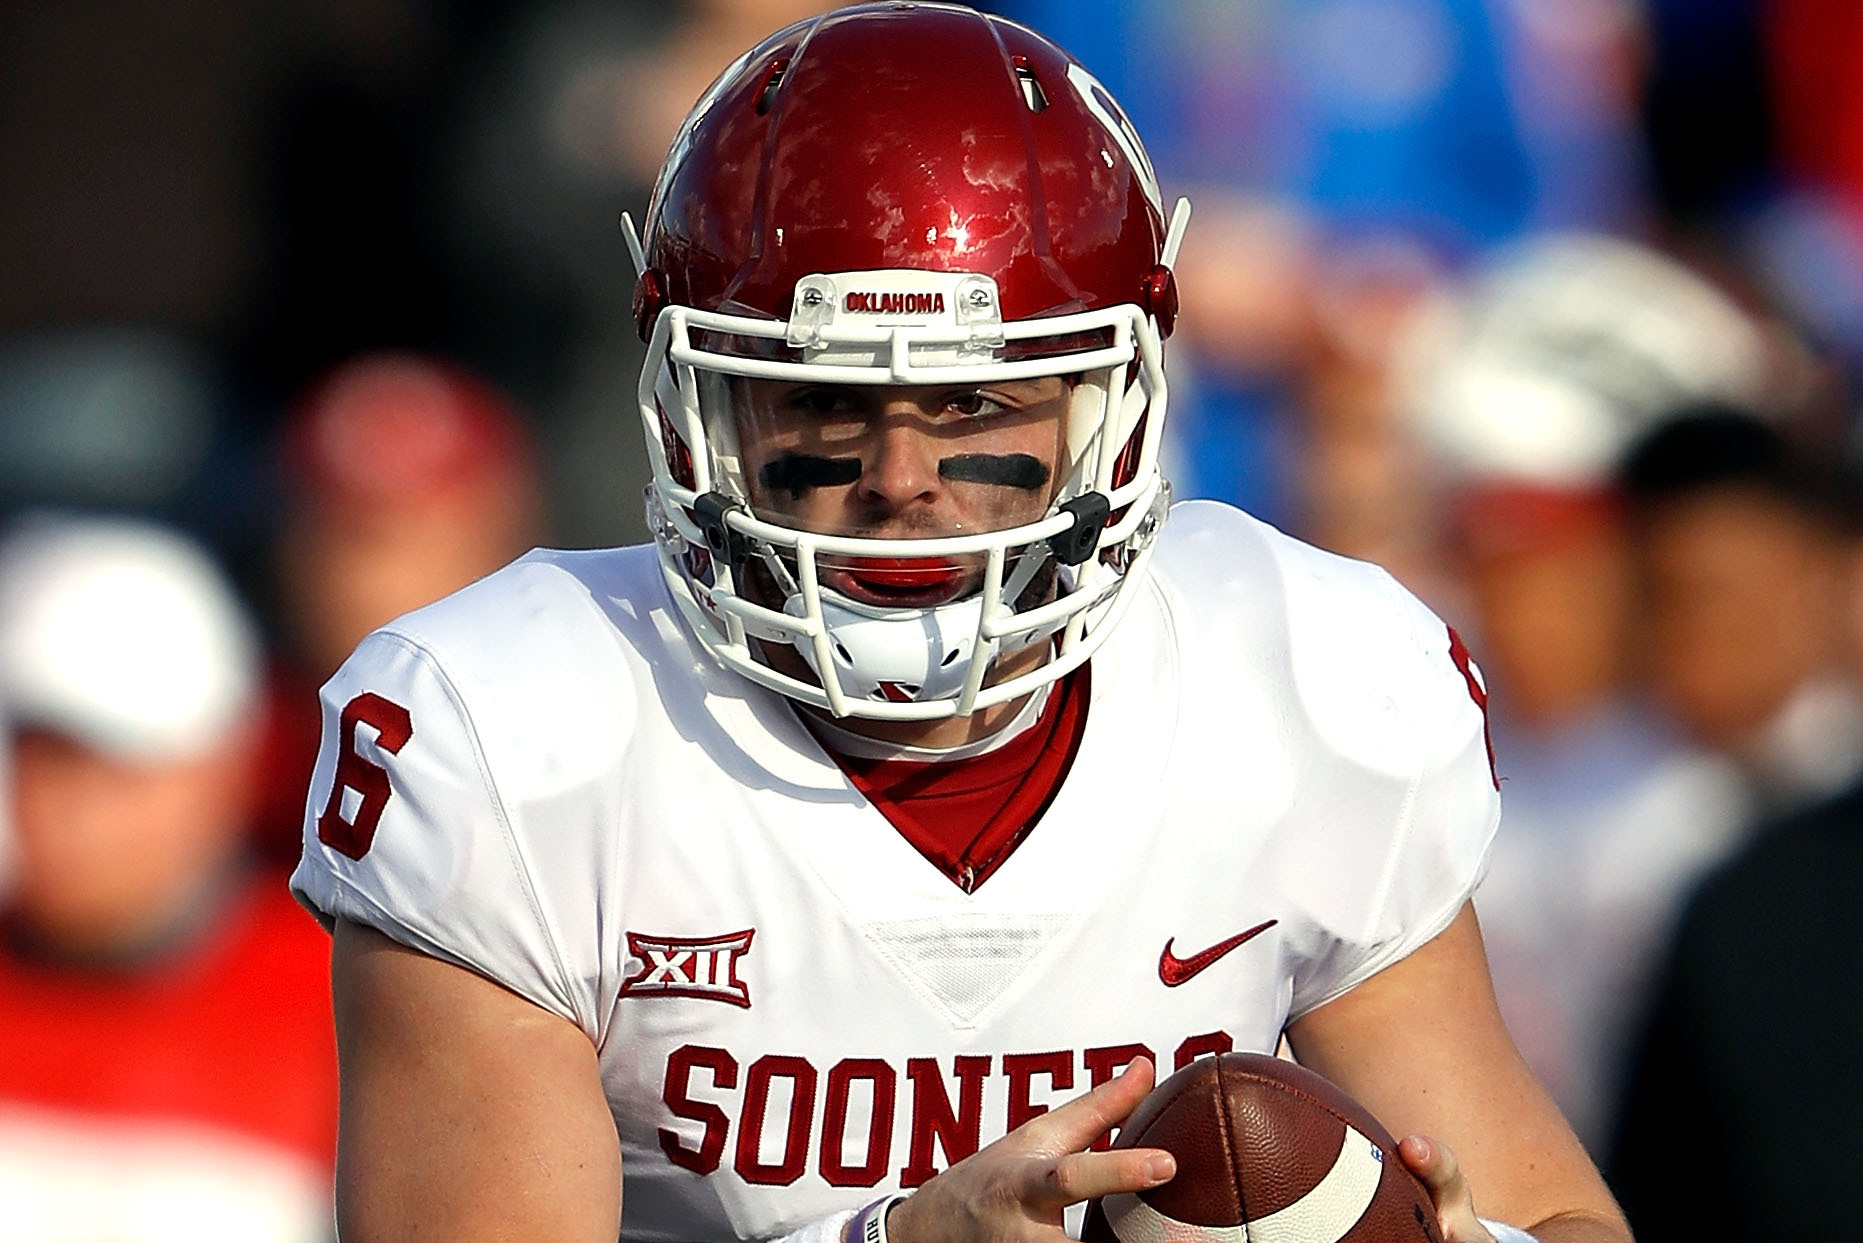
[406, 832]
[1349, 725]
[1418, 801]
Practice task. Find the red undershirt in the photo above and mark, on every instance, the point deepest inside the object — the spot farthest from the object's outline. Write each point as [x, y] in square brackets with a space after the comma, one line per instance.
[968, 816]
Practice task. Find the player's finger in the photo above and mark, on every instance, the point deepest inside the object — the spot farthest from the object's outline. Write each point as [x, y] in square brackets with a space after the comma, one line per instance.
[1435, 1165]
[1071, 1127]
[1078, 1176]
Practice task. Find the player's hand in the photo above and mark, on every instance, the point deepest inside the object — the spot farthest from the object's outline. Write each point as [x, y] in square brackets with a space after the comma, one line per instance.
[1015, 1190]
[1433, 1163]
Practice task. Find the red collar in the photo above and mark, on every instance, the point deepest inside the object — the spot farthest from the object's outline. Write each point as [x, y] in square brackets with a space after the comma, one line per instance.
[968, 816]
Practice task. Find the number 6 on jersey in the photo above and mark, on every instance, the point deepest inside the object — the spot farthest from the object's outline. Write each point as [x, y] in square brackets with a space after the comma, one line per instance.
[393, 728]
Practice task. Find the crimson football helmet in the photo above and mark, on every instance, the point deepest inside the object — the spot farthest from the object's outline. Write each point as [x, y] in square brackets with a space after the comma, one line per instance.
[905, 194]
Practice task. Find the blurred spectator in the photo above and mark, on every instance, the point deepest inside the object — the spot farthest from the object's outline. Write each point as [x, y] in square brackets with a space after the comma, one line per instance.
[167, 1065]
[1745, 551]
[1748, 551]
[405, 478]
[1744, 1109]
[1524, 392]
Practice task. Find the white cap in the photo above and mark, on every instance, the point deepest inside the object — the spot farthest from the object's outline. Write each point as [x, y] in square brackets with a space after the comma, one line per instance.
[1562, 351]
[123, 635]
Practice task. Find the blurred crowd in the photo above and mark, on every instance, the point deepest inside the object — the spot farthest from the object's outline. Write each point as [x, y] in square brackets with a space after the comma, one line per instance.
[312, 314]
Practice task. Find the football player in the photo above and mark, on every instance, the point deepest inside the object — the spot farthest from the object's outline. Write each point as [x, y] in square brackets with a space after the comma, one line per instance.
[842, 865]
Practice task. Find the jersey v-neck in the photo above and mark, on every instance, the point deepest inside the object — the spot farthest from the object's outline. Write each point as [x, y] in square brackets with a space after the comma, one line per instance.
[967, 816]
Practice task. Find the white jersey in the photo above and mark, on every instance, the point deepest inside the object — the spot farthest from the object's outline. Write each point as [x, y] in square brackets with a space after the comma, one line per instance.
[1283, 787]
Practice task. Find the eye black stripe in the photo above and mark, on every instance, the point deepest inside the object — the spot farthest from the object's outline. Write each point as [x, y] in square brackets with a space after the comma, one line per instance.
[796, 473]
[1008, 470]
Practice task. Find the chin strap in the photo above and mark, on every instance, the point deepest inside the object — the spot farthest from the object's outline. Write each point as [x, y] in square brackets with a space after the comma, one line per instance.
[1504, 1233]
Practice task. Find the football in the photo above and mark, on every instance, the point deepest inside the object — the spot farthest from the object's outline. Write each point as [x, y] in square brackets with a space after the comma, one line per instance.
[1268, 1152]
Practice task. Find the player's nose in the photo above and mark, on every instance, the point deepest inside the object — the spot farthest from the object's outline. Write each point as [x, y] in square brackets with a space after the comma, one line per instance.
[901, 465]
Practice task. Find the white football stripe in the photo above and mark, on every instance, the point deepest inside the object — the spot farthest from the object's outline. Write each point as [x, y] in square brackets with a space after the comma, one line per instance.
[1323, 1215]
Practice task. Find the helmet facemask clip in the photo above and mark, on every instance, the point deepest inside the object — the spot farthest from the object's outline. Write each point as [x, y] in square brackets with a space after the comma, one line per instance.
[1090, 512]
[726, 544]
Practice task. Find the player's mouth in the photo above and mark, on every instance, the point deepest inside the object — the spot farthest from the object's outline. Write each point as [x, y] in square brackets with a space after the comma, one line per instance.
[899, 582]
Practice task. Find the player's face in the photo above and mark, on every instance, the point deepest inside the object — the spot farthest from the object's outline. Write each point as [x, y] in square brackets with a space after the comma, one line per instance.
[903, 462]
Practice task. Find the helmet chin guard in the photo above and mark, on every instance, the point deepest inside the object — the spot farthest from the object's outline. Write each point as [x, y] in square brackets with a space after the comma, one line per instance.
[986, 216]
[896, 655]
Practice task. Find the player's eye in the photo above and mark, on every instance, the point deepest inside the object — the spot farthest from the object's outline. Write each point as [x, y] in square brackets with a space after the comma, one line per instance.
[971, 404]
[821, 402]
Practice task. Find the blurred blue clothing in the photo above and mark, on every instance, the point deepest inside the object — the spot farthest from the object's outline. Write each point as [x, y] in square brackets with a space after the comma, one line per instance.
[1231, 439]
[1375, 114]
[1448, 122]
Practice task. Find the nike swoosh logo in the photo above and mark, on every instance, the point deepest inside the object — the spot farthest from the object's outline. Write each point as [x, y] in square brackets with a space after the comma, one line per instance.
[1174, 970]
